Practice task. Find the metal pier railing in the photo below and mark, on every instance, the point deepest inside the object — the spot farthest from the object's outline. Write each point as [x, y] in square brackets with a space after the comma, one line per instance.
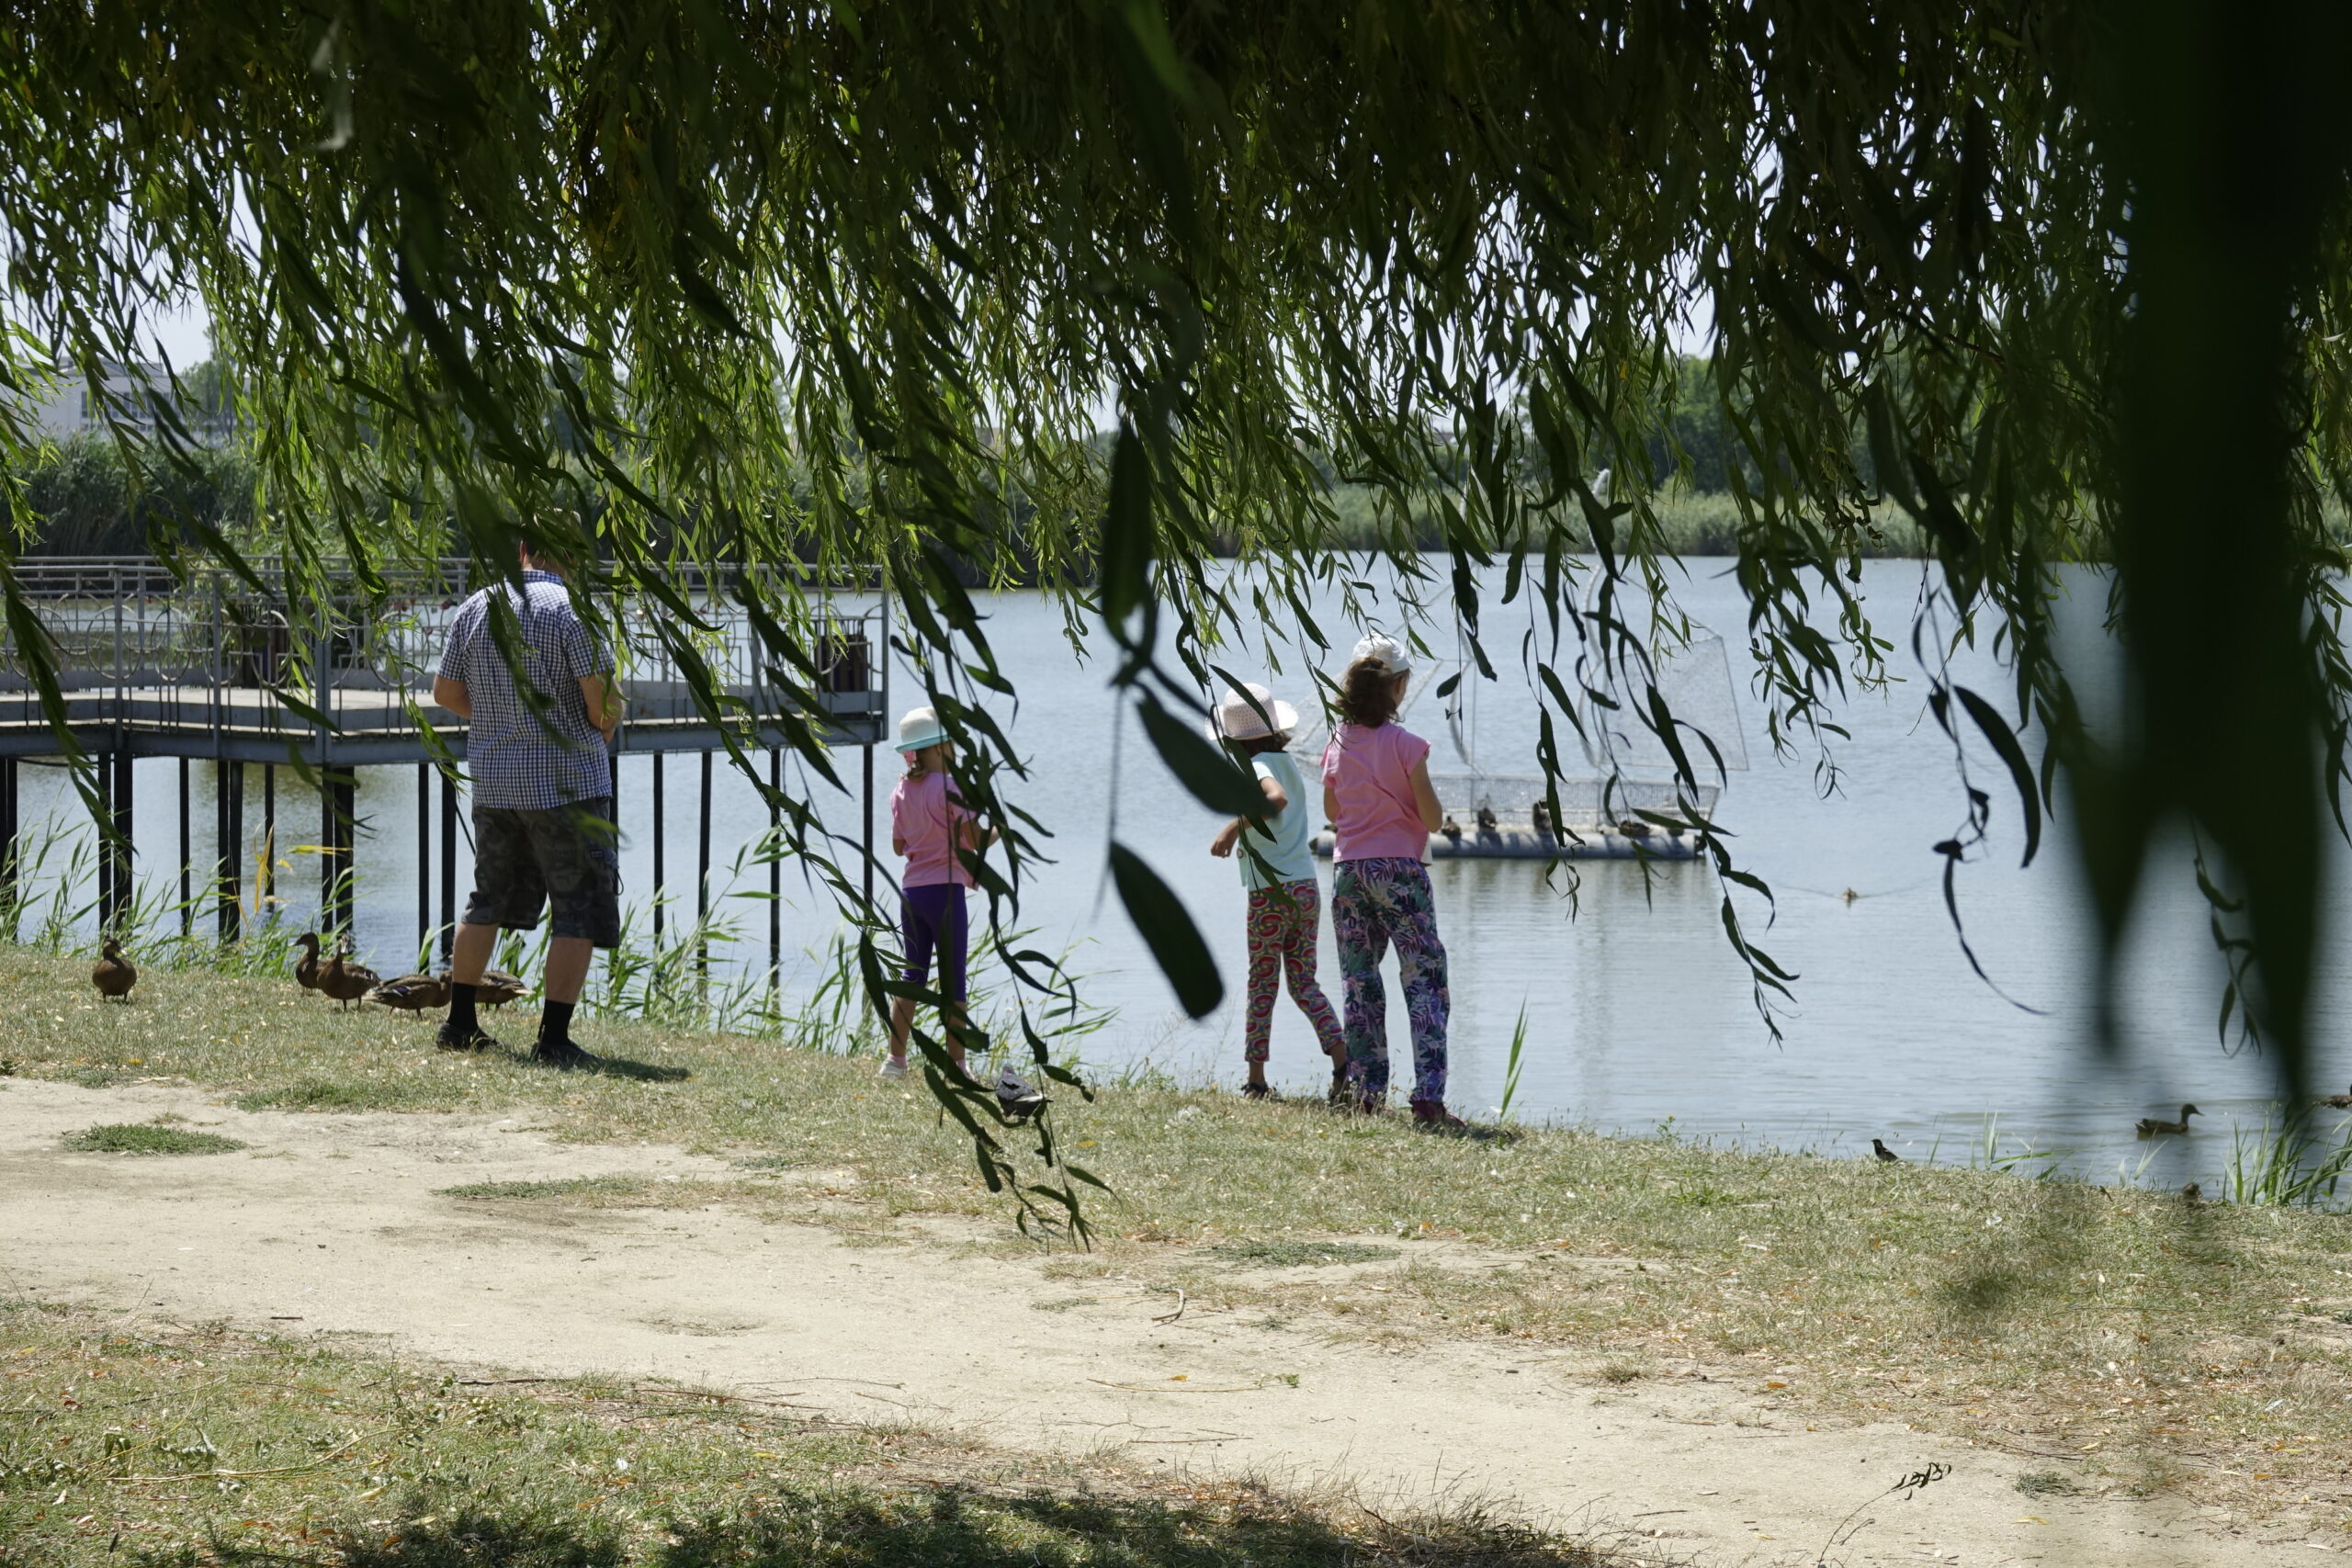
[204, 665]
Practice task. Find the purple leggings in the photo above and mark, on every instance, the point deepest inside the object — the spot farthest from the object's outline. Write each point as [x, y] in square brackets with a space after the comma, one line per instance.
[932, 915]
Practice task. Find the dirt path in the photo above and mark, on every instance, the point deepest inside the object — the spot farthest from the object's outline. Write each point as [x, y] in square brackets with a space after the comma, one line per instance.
[330, 1225]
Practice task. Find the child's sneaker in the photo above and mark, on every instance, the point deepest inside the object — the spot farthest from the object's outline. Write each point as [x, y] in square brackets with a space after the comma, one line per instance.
[894, 1067]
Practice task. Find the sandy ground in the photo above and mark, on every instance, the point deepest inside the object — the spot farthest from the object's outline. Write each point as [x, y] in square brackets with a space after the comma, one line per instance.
[331, 1224]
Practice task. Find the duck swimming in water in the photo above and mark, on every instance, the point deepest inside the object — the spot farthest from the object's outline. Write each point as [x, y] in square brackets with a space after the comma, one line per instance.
[2151, 1126]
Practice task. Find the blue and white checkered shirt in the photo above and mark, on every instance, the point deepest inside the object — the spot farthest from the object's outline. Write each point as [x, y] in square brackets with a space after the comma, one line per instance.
[521, 761]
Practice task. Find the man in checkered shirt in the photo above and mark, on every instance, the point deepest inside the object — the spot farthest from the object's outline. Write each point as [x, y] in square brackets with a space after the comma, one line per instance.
[542, 794]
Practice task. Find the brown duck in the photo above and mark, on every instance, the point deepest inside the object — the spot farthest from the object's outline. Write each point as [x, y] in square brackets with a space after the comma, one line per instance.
[2151, 1126]
[114, 976]
[306, 968]
[495, 989]
[346, 983]
[412, 993]
[2336, 1101]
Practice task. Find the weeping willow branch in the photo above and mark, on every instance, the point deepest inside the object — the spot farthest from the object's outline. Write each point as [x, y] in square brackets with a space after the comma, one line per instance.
[843, 288]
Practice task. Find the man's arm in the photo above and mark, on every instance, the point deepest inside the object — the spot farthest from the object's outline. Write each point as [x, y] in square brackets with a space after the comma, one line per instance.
[603, 695]
[452, 694]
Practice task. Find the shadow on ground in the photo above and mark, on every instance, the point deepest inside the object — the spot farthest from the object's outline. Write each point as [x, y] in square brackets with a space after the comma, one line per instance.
[954, 1527]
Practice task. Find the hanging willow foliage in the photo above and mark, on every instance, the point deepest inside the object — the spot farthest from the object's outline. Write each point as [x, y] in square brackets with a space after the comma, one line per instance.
[845, 283]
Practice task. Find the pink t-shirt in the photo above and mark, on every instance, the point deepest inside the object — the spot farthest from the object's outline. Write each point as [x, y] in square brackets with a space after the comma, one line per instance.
[1371, 776]
[926, 813]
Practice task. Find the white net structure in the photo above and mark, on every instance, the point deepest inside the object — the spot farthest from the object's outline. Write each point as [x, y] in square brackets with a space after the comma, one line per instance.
[1694, 682]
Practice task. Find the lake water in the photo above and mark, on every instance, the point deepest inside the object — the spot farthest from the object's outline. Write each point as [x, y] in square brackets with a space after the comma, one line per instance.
[1638, 1014]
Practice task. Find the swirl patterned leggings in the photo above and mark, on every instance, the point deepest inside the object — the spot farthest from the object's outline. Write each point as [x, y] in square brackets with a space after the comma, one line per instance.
[1373, 904]
[1282, 945]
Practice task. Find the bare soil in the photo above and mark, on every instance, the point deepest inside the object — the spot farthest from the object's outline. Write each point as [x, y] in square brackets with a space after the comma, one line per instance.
[338, 1225]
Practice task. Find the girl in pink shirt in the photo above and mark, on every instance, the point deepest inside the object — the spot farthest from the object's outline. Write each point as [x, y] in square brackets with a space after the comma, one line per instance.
[930, 826]
[1376, 792]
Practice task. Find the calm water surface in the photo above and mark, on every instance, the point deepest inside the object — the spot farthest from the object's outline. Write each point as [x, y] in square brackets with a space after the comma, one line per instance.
[1638, 1014]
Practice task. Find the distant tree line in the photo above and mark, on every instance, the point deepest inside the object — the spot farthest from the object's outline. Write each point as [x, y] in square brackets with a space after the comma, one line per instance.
[87, 501]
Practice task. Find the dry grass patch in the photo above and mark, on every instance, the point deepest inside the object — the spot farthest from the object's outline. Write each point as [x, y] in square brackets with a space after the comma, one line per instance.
[192, 1447]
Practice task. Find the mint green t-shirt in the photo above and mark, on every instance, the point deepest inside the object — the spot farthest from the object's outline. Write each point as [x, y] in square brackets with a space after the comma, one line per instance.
[1283, 844]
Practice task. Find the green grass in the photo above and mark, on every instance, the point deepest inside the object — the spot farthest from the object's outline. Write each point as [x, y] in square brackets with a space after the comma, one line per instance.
[2107, 1321]
[211, 1447]
[1274, 1254]
[573, 1187]
[147, 1138]
[372, 1092]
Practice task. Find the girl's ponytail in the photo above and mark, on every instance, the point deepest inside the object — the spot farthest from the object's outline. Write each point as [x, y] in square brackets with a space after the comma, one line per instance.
[1368, 693]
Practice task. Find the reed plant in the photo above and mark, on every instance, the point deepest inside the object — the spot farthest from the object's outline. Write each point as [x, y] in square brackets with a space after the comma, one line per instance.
[1511, 1065]
[2285, 1164]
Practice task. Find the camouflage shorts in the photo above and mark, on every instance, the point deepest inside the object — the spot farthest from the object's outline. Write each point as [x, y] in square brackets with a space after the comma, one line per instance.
[568, 856]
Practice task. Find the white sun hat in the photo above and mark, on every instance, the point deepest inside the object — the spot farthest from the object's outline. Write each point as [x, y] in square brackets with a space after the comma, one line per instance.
[918, 728]
[1388, 651]
[1236, 720]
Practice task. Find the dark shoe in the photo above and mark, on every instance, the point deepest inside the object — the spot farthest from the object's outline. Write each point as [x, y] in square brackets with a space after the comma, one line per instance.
[1258, 1091]
[565, 1058]
[1432, 1116]
[465, 1040]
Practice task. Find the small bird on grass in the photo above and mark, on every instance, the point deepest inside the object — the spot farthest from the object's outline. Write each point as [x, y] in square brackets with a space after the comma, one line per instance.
[1886, 1154]
[1019, 1101]
[346, 983]
[412, 993]
[114, 976]
[2151, 1126]
[306, 968]
[2192, 1194]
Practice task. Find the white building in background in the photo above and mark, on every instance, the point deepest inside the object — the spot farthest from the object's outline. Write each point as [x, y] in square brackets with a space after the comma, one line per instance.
[66, 406]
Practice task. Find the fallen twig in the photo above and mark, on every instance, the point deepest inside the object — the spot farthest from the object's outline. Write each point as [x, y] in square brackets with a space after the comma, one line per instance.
[318, 1463]
[1172, 1317]
[1149, 1388]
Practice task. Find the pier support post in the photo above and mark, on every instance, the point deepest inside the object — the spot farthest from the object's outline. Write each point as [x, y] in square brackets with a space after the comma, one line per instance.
[337, 790]
[866, 838]
[266, 875]
[657, 859]
[423, 858]
[702, 874]
[775, 869]
[114, 856]
[10, 895]
[449, 866]
[188, 856]
[228, 844]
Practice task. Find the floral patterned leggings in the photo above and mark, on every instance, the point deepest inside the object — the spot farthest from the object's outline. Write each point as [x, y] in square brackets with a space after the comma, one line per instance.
[1373, 904]
[1282, 942]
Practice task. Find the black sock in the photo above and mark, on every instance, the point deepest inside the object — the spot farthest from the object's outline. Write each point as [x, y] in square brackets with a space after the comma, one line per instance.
[555, 1024]
[461, 1009]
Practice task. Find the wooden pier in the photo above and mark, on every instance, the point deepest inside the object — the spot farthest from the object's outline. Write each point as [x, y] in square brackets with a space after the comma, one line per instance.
[208, 668]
